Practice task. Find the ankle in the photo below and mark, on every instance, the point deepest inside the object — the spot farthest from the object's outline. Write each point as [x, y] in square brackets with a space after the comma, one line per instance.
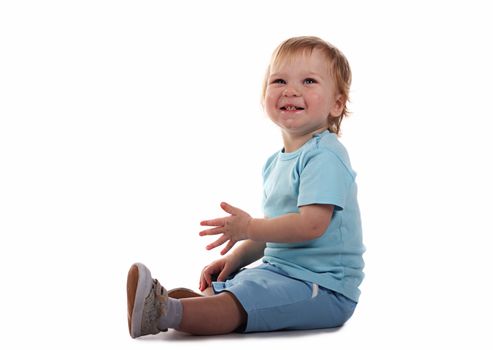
[172, 317]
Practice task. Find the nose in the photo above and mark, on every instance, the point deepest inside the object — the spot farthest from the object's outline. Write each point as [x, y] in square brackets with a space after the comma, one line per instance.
[291, 91]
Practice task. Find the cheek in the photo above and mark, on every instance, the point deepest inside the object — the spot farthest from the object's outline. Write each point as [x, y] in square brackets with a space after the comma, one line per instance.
[270, 108]
[270, 101]
[320, 102]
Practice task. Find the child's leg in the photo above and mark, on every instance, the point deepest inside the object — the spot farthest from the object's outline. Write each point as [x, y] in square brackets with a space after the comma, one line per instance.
[151, 311]
[218, 314]
[208, 317]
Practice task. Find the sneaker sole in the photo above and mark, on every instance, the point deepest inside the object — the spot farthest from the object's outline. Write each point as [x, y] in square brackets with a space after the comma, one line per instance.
[183, 293]
[139, 284]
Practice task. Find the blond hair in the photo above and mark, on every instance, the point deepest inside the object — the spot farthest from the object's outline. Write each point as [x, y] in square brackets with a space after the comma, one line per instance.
[337, 63]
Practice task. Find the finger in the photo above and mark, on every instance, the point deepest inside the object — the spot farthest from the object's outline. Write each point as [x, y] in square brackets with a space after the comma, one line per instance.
[221, 240]
[228, 208]
[213, 222]
[228, 247]
[222, 276]
[212, 231]
[212, 269]
[201, 284]
[204, 279]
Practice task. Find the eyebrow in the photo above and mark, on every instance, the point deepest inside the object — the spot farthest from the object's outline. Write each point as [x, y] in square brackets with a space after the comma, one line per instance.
[307, 74]
[315, 74]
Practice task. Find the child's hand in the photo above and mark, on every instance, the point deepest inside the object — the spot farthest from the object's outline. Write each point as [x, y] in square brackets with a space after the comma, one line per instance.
[222, 267]
[233, 228]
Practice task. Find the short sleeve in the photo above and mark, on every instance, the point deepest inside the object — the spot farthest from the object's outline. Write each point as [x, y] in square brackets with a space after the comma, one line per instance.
[324, 179]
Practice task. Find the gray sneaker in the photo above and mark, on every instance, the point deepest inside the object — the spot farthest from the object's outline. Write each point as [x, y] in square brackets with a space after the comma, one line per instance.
[146, 302]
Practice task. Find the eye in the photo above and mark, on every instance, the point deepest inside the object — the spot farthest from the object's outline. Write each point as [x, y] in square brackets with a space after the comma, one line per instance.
[278, 81]
[309, 81]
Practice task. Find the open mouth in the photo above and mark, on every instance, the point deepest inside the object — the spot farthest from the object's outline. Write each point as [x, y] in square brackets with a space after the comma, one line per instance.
[291, 108]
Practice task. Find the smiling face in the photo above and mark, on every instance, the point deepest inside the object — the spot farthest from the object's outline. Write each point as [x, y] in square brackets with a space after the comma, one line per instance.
[301, 95]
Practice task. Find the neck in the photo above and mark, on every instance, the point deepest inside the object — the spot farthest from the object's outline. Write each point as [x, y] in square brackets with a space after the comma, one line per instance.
[294, 142]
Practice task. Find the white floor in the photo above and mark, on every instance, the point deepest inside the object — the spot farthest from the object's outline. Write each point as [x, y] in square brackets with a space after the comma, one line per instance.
[87, 310]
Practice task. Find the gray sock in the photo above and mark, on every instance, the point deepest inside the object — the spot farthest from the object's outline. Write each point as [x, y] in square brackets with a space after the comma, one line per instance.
[173, 315]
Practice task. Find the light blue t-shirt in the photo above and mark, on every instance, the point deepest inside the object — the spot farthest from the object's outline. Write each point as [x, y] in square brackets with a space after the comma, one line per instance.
[317, 173]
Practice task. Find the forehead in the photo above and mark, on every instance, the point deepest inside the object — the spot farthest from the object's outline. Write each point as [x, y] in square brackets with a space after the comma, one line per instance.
[306, 60]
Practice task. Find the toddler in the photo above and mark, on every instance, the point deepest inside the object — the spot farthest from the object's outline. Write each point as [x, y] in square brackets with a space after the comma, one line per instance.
[309, 240]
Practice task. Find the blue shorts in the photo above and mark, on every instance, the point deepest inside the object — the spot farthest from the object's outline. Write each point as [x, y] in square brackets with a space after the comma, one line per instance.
[274, 301]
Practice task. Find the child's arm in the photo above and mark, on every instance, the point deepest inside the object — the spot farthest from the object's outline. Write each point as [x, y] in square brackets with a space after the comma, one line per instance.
[310, 223]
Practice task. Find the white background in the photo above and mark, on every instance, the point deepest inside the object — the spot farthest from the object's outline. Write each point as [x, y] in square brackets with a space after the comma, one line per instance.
[125, 123]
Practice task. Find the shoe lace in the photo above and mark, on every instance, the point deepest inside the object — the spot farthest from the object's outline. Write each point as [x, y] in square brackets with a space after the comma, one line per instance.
[156, 305]
[160, 297]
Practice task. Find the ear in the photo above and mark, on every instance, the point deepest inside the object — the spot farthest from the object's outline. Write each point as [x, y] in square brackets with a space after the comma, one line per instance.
[338, 106]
